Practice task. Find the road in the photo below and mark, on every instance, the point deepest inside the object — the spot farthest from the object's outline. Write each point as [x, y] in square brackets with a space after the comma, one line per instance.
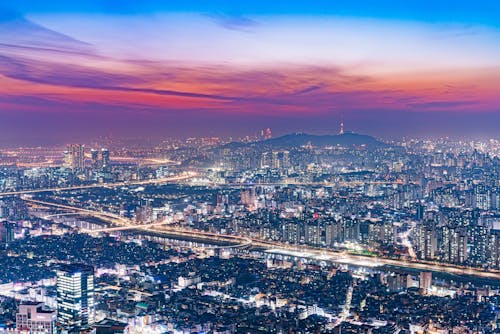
[346, 310]
[128, 224]
[177, 178]
[278, 247]
[300, 183]
[405, 241]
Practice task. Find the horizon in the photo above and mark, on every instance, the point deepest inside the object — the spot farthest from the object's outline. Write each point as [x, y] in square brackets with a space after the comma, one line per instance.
[142, 141]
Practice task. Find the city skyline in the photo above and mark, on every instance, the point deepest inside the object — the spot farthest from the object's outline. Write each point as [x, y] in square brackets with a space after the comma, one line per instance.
[71, 72]
[230, 167]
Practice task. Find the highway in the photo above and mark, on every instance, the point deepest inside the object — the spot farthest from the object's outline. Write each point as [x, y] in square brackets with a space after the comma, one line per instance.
[128, 224]
[301, 183]
[275, 247]
[177, 178]
[103, 230]
[364, 260]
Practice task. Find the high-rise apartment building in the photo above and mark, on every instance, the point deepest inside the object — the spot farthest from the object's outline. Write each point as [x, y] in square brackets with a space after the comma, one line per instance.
[105, 159]
[74, 157]
[7, 230]
[425, 282]
[94, 157]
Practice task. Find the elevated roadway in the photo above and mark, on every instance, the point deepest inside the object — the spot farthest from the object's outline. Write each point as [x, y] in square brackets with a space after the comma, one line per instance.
[123, 224]
[304, 251]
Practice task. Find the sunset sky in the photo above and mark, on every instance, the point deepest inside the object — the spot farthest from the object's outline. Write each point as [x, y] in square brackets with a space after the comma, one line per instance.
[75, 70]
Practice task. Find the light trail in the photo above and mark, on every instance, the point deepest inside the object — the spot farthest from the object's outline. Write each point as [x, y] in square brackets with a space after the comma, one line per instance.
[124, 228]
[103, 217]
[47, 217]
[297, 183]
[343, 257]
[281, 248]
[177, 178]
[405, 241]
[128, 224]
[145, 161]
[347, 306]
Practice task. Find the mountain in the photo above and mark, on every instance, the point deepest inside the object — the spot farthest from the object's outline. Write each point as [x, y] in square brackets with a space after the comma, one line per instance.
[347, 139]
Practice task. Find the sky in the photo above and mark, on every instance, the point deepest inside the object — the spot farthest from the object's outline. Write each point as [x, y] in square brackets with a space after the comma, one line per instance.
[74, 71]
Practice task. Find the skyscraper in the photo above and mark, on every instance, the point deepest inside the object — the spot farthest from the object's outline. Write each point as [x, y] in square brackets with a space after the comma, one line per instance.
[94, 154]
[74, 157]
[7, 230]
[10, 228]
[105, 159]
[266, 134]
[75, 296]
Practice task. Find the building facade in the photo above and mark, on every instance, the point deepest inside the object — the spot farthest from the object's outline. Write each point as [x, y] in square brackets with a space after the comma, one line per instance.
[75, 296]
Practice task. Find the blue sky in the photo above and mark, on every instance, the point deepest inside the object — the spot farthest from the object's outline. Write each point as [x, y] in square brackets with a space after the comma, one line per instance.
[458, 11]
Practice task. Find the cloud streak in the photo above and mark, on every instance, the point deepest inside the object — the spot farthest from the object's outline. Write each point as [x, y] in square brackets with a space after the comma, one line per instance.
[49, 75]
[234, 22]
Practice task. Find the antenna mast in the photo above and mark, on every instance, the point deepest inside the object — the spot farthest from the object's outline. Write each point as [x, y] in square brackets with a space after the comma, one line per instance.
[341, 132]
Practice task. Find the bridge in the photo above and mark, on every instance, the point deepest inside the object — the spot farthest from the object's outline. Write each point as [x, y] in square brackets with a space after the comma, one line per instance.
[125, 224]
[277, 247]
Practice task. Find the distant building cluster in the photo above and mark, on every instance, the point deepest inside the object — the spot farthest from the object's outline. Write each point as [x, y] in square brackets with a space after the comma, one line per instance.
[75, 158]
